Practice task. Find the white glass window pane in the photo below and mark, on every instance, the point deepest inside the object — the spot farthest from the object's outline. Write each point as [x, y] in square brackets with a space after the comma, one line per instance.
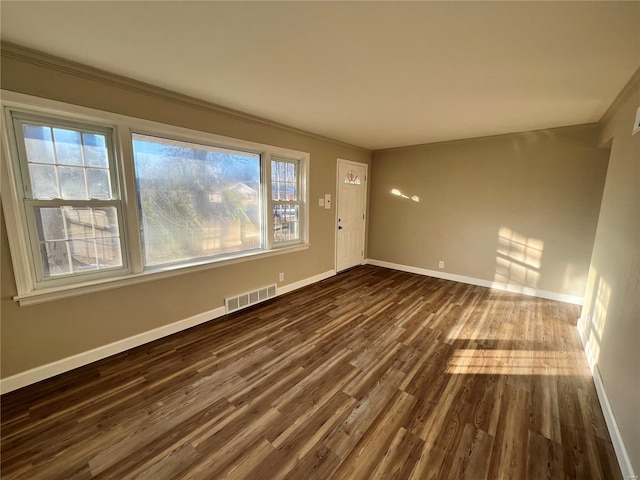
[277, 171]
[69, 178]
[72, 183]
[292, 191]
[291, 172]
[51, 223]
[108, 251]
[105, 222]
[79, 222]
[284, 180]
[38, 144]
[89, 233]
[283, 192]
[83, 254]
[55, 259]
[196, 201]
[99, 185]
[68, 147]
[44, 184]
[286, 222]
[95, 150]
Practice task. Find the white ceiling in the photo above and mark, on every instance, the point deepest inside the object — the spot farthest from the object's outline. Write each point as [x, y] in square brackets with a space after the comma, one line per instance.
[377, 75]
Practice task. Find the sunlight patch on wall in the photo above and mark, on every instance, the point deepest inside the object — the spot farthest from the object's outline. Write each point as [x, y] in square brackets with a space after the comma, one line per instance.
[517, 362]
[398, 193]
[593, 327]
[518, 259]
[575, 279]
[602, 304]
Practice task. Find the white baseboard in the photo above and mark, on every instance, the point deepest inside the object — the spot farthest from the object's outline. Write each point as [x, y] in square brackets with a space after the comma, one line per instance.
[52, 369]
[616, 437]
[66, 364]
[533, 292]
[307, 281]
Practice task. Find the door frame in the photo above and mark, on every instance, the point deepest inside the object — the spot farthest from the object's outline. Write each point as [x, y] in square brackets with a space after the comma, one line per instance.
[337, 204]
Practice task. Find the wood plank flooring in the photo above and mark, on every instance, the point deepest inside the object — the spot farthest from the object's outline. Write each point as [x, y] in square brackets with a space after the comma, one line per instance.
[372, 374]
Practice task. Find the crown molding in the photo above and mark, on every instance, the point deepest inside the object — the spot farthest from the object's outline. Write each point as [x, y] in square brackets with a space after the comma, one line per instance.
[627, 90]
[583, 126]
[51, 62]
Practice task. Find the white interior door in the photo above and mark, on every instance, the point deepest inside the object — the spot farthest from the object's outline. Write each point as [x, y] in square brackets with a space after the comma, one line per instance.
[351, 207]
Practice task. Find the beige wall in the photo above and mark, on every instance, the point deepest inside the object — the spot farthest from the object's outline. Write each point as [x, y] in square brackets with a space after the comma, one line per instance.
[36, 335]
[519, 209]
[610, 318]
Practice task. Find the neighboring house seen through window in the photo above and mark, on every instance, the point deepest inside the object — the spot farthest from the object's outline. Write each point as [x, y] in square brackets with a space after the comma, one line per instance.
[71, 196]
[195, 200]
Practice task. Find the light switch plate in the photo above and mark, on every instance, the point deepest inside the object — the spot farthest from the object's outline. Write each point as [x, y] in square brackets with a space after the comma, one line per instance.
[327, 201]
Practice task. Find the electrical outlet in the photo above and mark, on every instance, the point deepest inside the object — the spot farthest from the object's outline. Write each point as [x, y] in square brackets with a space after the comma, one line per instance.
[441, 264]
[281, 277]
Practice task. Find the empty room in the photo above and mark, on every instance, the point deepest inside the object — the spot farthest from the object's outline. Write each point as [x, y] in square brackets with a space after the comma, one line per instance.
[324, 240]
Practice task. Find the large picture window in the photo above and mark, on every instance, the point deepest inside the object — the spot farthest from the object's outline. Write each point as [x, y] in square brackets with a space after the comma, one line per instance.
[96, 198]
[195, 200]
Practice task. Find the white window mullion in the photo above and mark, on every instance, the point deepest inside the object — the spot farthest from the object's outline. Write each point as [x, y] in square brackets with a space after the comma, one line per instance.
[67, 241]
[130, 211]
[84, 169]
[93, 231]
[267, 211]
[55, 165]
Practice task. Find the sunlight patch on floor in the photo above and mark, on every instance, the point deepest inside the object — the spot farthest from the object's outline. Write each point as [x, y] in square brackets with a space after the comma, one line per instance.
[517, 362]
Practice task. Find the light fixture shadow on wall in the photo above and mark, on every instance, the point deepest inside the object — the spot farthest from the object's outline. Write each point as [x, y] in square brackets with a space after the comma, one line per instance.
[398, 193]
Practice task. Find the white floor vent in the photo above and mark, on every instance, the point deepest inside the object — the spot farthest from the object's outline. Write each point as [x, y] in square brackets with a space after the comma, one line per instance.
[245, 300]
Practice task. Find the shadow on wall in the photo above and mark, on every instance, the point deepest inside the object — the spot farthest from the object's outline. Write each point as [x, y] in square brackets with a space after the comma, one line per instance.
[518, 259]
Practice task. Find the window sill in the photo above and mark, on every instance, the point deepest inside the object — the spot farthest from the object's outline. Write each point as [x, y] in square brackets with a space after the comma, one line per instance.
[56, 293]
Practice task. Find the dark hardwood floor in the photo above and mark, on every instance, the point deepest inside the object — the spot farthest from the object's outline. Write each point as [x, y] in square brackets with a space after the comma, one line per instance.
[372, 374]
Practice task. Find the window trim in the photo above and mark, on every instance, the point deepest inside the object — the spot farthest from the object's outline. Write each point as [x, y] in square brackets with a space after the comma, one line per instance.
[298, 201]
[25, 189]
[30, 292]
[197, 140]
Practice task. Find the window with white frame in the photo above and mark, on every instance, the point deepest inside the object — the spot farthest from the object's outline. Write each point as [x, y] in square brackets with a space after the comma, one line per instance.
[191, 198]
[195, 200]
[285, 193]
[71, 196]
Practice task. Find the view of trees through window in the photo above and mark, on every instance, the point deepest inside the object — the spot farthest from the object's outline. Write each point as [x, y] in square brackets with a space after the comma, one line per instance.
[85, 209]
[195, 200]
